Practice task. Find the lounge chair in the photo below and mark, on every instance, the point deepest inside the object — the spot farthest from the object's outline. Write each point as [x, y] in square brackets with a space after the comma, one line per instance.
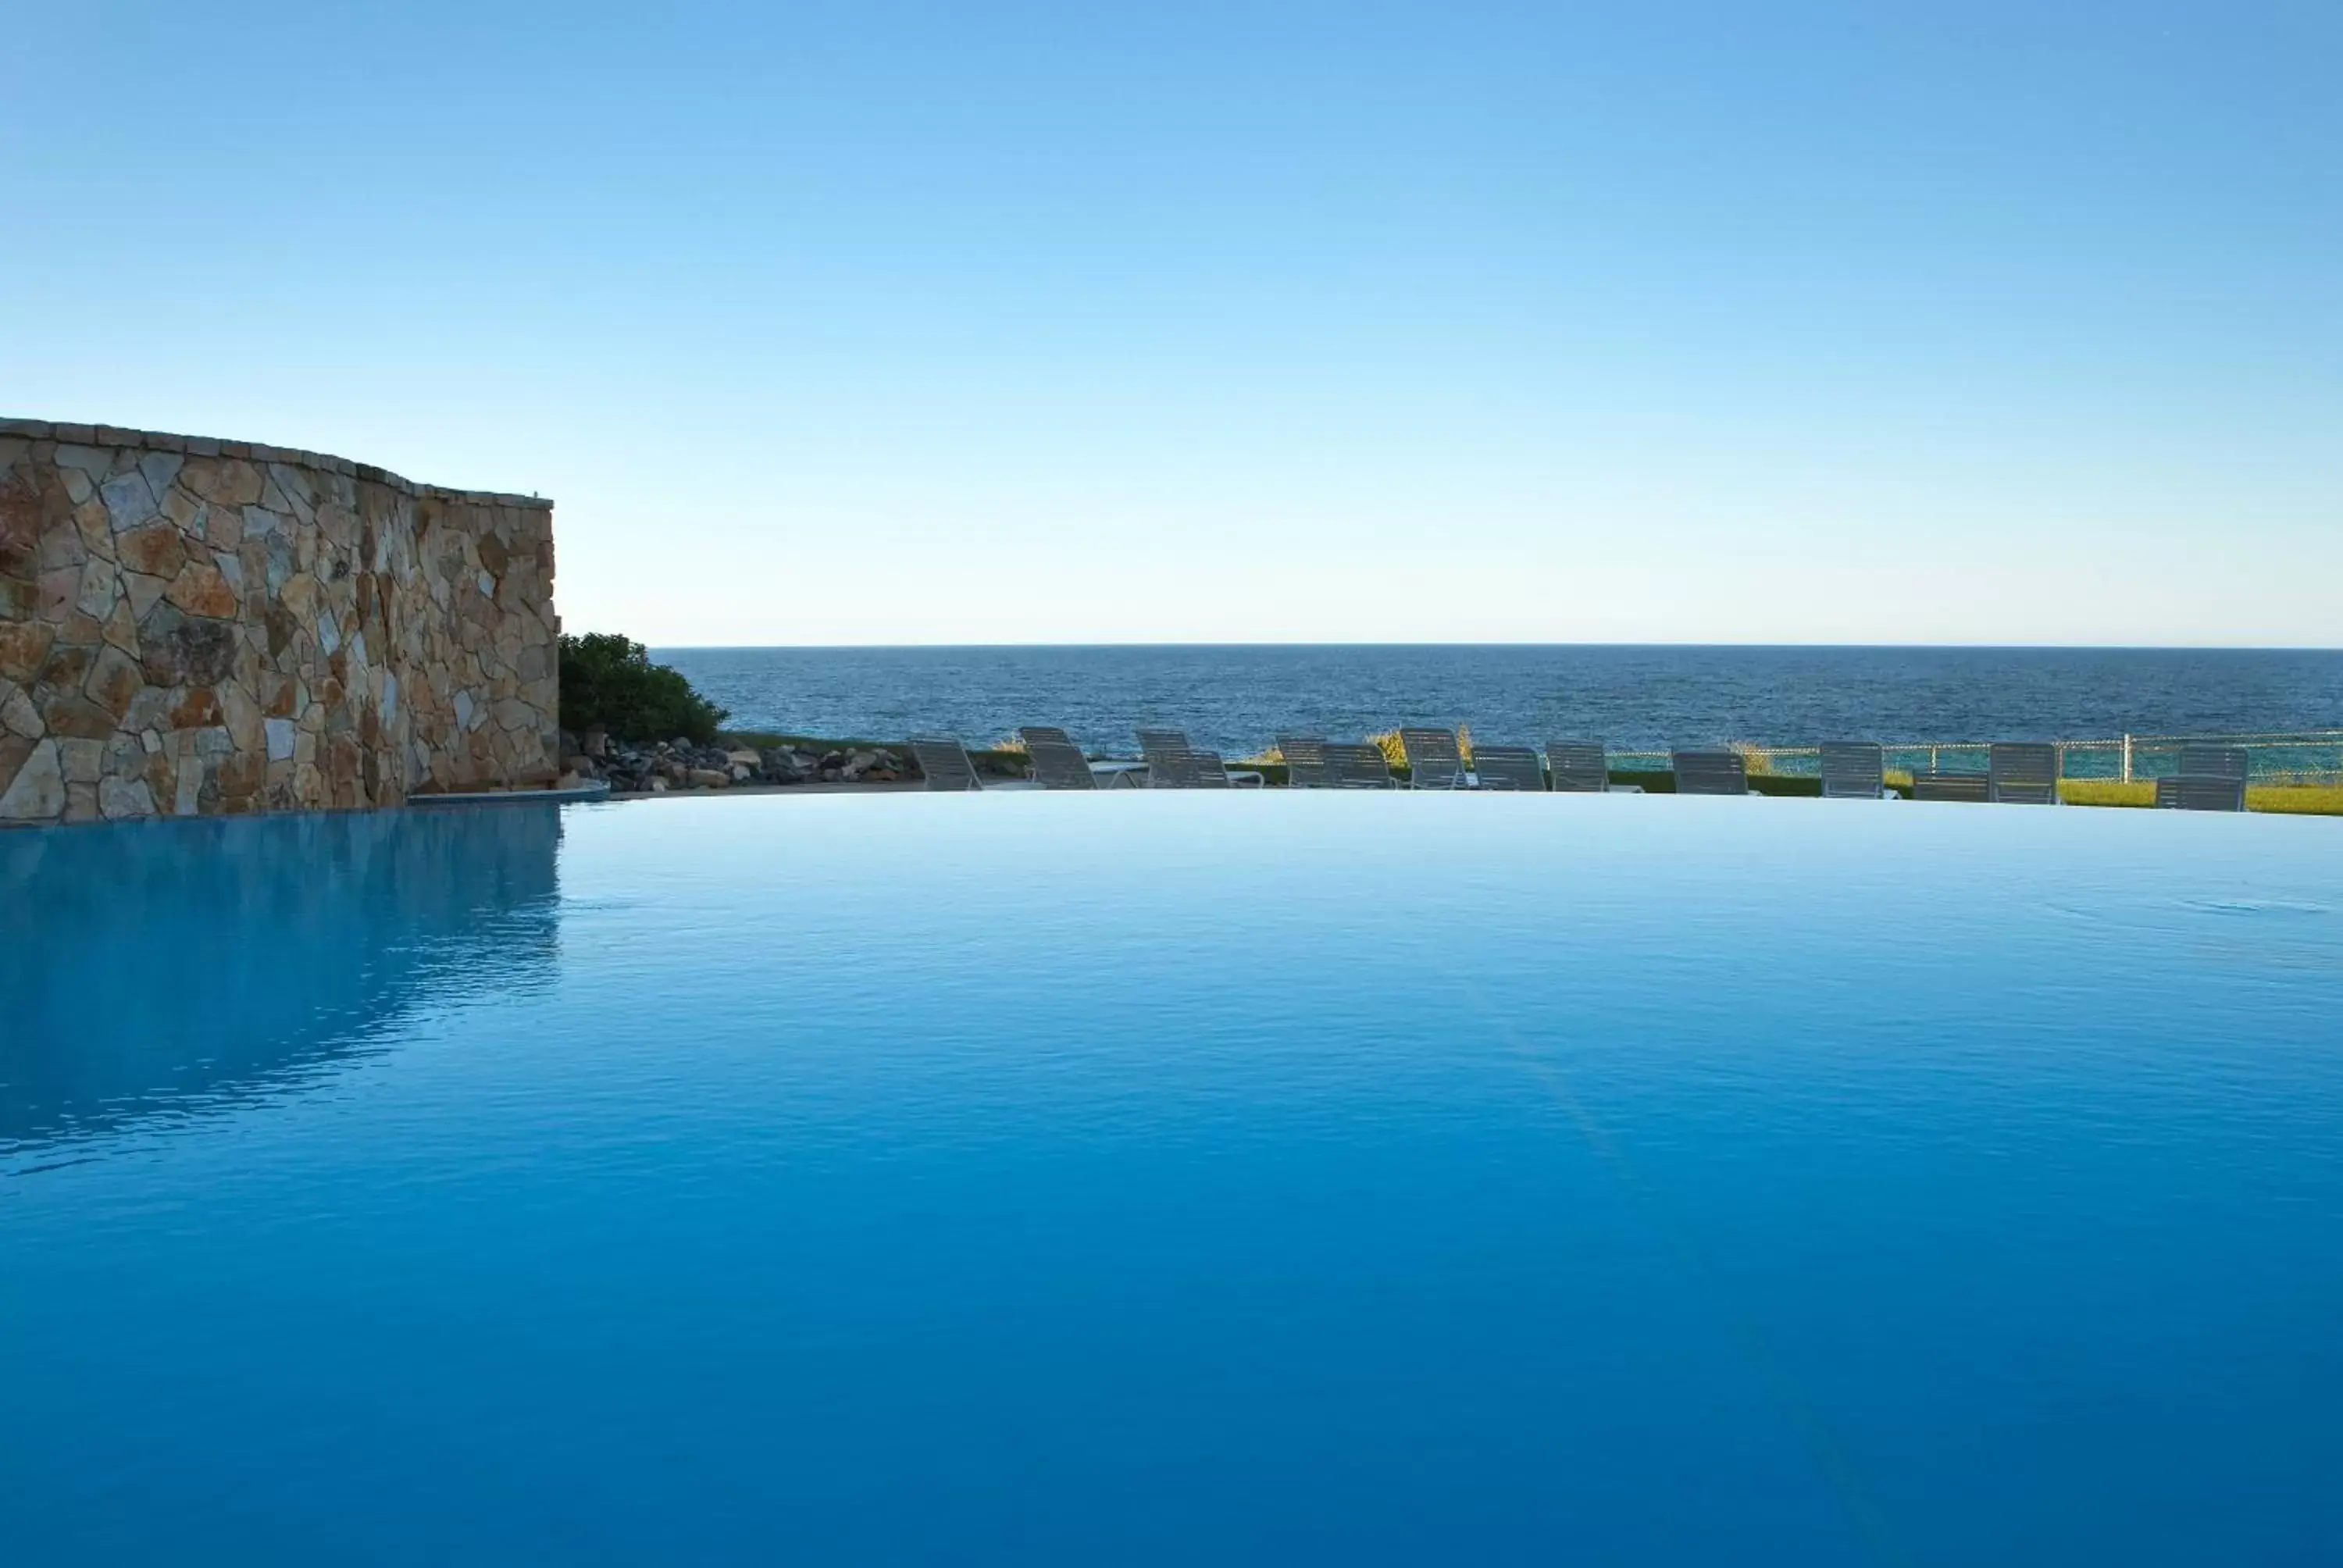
[943, 762]
[2215, 762]
[1046, 734]
[1173, 764]
[1305, 761]
[1710, 770]
[1966, 787]
[1434, 761]
[1057, 765]
[2022, 773]
[1171, 761]
[1579, 768]
[2201, 792]
[1854, 770]
[1210, 772]
[1351, 766]
[1508, 767]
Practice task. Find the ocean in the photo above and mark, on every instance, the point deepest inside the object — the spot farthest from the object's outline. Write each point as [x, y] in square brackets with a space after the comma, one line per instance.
[1237, 699]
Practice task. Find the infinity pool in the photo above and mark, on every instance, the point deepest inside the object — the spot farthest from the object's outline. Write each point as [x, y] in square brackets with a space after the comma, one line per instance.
[1174, 1179]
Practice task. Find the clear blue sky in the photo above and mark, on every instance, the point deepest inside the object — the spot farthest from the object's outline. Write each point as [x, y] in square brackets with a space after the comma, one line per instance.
[934, 322]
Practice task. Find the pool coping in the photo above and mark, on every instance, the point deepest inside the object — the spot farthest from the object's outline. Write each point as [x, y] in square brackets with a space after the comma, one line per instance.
[595, 791]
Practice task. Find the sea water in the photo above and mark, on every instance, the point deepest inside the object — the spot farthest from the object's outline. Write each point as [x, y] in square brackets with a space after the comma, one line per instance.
[1237, 700]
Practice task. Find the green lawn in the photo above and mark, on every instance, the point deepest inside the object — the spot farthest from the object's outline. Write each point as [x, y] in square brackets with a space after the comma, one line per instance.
[2305, 800]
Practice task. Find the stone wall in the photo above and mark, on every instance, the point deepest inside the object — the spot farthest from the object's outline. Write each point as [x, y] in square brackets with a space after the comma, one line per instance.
[191, 627]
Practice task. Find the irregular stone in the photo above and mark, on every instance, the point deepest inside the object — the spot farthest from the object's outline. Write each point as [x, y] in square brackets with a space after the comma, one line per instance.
[70, 714]
[95, 528]
[280, 571]
[200, 591]
[100, 585]
[23, 644]
[62, 549]
[145, 591]
[58, 591]
[19, 716]
[114, 681]
[37, 791]
[281, 627]
[176, 650]
[94, 463]
[81, 760]
[184, 512]
[239, 778]
[199, 709]
[119, 799]
[188, 792]
[20, 521]
[151, 709]
[67, 666]
[122, 626]
[81, 803]
[156, 550]
[160, 469]
[279, 732]
[235, 483]
[242, 716]
[129, 500]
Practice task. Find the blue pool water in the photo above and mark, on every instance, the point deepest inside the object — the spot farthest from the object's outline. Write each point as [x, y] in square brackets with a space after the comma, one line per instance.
[1174, 1179]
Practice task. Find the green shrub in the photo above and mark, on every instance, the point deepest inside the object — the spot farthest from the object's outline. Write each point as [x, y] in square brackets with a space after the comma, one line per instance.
[610, 682]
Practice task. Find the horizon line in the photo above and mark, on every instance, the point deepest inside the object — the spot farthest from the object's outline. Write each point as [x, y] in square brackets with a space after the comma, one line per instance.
[1266, 643]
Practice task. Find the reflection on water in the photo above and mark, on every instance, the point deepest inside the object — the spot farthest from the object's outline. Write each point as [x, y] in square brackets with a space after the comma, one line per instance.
[164, 969]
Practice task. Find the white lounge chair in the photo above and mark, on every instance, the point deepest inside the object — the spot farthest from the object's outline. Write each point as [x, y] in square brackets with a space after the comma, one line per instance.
[1710, 770]
[2022, 773]
[1059, 765]
[2201, 792]
[1972, 787]
[1173, 764]
[1305, 761]
[943, 762]
[1349, 767]
[1508, 767]
[1854, 770]
[1434, 761]
[1580, 767]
